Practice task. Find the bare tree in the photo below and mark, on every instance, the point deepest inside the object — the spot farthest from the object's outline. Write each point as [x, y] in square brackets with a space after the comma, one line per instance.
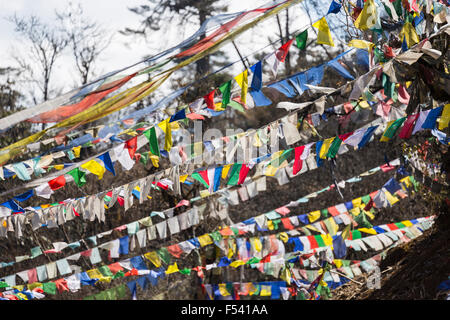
[162, 12]
[87, 39]
[45, 45]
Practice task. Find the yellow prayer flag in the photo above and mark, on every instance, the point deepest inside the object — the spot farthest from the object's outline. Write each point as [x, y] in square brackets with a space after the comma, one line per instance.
[407, 223]
[286, 275]
[391, 198]
[361, 44]
[383, 138]
[270, 224]
[95, 168]
[406, 181]
[270, 170]
[105, 279]
[172, 268]
[312, 228]
[237, 263]
[154, 258]
[369, 214]
[155, 161]
[256, 244]
[445, 117]
[333, 226]
[225, 170]
[204, 240]
[324, 36]
[223, 289]
[19, 287]
[165, 126]
[314, 215]
[242, 80]
[34, 285]
[204, 193]
[183, 178]
[409, 32]
[368, 230]
[355, 211]
[266, 291]
[94, 274]
[58, 166]
[283, 236]
[356, 202]
[76, 151]
[325, 147]
[338, 263]
[327, 239]
[256, 140]
[368, 16]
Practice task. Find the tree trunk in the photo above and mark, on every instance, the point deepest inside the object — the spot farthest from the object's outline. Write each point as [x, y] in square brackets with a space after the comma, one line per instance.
[202, 65]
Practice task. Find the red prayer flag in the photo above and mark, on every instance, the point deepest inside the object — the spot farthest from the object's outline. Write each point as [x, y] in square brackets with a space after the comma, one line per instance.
[298, 163]
[131, 145]
[57, 183]
[209, 99]
[283, 51]
[243, 173]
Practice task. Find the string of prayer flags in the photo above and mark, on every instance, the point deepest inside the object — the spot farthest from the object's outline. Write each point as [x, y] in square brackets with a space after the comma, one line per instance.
[324, 36]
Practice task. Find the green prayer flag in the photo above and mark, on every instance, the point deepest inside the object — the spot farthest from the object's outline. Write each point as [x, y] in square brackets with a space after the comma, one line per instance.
[278, 161]
[346, 263]
[153, 140]
[105, 271]
[216, 236]
[3, 284]
[164, 255]
[324, 213]
[301, 40]
[199, 178]
[365, 199]
[356, 234]
[49, 287]
[185, 271]
[119, 274]
[334, 148]
[253, 260]
[234, 175]
[319, 240]
[275, 223]
[392, 130]
[362, 221]
[144, 158]
[226, 93]
[400, 225]
[79, 176]
[236, 106]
